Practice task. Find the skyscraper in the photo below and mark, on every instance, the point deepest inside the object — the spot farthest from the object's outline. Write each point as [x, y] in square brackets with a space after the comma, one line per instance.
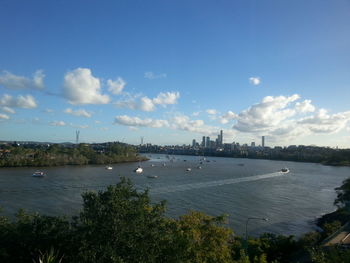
[203, 141]
[208, 142]
[221, 138]
[263, 141]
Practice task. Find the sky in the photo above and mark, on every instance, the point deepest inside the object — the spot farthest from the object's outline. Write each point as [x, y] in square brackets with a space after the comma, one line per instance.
[175, 70]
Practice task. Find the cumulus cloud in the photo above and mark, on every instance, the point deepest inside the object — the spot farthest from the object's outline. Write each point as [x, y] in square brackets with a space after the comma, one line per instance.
[14, 82]
[8, 110]
[322, 122]
[305, 106]
[81, 87]
[227, 117]
[196, 113]
[211, 111]
[151, 75]
[4, 116]
[266, 115]
[138, 122]
[166, 98]
[254, 81]
[78, 113]
[148, 104]
[116, 87]
[58, 123]
[25, 102]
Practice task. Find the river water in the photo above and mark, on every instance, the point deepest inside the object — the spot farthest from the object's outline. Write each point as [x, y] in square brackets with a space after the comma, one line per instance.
[241, 188]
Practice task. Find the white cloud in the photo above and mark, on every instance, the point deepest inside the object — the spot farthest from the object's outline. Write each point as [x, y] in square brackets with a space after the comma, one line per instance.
[254, 81]
[227, 117]
[58, 123]
[305, 106]
[267, 115]
[117, 86]
[78, 113]
[166, 98]
[4, 116]
[8, 110]
[322, 122]
[196, 113]
[151, 75]
[147, 104]
[137, 122]
[81, 87]
[211, 111]
[26, 102]
[14, 82]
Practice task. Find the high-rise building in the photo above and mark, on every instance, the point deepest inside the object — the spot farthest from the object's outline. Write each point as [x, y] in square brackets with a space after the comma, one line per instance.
[252, 144]
[263, 141]
[207, 144]
[193, 143]
[203, 141]
[221, 138]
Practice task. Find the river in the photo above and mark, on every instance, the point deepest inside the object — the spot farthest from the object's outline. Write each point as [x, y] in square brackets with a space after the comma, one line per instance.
[241, 188]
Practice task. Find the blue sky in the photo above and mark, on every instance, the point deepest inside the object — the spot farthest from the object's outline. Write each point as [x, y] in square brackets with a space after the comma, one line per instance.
[171, 71]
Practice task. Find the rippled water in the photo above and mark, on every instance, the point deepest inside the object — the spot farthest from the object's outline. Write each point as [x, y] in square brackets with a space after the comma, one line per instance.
[241, 188]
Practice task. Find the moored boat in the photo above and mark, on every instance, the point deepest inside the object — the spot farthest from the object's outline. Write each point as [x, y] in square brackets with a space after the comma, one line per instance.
[38, 174]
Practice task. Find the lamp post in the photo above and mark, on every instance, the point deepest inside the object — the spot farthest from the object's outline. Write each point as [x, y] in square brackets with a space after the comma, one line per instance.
[246, 229]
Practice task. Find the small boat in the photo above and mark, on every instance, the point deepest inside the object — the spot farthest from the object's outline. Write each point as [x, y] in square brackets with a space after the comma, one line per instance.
[138, 170]
[199, 167]
[38, 174]
[285, 170]
[152, 176]
[188, 170]
[109, 167]
[152, 165]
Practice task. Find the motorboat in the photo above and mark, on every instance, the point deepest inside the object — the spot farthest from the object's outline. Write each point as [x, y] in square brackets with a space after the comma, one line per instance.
[138, 170]
[188, 170]
[152, 176]
[38, 174]
[285, 170]
[109, 167]
[152, 165]
[199, 167]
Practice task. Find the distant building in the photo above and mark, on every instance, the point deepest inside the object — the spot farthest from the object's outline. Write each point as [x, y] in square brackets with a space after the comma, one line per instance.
[193, 143]
[263, 141]
[203, 141]
[207, 145]
[252, 144]
[221, 138]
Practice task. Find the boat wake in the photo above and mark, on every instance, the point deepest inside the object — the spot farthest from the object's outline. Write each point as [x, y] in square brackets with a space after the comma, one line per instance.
[186, 187]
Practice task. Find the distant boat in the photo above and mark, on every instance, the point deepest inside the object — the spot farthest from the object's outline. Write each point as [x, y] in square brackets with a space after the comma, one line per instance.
[152, 165]
[152, 176]
[285, 170]
[240, 164]
[138, 170]
[164, 164]
[109, 167]
[38, 174]
[199, 167]
[188, 170]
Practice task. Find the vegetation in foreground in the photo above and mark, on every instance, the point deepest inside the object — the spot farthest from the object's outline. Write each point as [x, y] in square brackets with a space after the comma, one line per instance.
[122, 225]
[55, 154]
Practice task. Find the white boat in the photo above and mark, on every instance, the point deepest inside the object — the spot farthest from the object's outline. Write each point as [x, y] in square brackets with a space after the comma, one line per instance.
[138, 170]
[152, 165]
[38, 174]
[109, 167]
[285, 170]
[199, 167]
[188, 170]
[152, 176]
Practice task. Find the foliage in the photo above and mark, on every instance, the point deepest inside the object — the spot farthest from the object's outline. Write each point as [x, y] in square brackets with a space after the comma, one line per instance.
[343, 194]
[51, 256]
[56, 154]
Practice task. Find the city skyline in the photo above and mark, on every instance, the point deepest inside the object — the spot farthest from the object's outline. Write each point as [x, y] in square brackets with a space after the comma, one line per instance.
[170, 72]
